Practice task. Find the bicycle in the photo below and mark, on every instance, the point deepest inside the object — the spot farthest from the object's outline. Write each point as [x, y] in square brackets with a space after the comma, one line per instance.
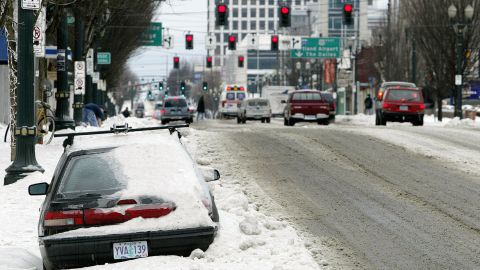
[45, 123]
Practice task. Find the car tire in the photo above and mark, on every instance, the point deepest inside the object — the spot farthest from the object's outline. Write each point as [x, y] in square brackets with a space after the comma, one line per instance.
[291, 122]
[285, 122]
[263, 120]
[238, 120]
[418, 122]
[164, 122]
[244, 120]
[268, 120]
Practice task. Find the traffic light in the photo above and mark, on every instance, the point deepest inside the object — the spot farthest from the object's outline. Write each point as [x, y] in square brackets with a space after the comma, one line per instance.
[160, 86]
[241, 60]
[222, 14]
[347, 14]
[205, 86]
[209, 62]
[182, 88]
[232, 42]
[274, 43]
[176, 62]
[284, 15]
[189, 42]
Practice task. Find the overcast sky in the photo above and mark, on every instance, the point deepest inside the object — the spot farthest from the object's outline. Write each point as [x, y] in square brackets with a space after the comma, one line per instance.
[178, 17]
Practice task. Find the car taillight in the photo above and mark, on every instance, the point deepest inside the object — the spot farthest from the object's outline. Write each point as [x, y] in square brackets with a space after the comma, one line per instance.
[333, 106]
[101, 216]
[162, 111]
[223, 103]
[386, 105]
[422, 107]
[63, 218]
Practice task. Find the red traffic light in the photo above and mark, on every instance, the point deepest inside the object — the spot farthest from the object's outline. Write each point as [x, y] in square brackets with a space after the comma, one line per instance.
[285, 10]
[275, 39]
[189, 38]
[209, 59]
[241, 58]
[176, 59]
[222, 8]
[231, 38]
[348, 8]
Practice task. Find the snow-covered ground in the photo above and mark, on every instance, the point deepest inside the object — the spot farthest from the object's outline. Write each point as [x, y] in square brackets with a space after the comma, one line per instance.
[246, 238]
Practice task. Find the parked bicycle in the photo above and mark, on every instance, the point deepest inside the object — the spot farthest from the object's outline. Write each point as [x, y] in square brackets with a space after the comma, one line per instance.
[45, 123]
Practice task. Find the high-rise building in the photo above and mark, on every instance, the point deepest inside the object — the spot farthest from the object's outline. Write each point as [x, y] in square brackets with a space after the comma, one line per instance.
[249, 17]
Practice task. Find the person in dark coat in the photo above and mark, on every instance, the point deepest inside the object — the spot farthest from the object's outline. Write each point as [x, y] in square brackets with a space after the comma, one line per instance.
[126, 112]
[201, 108]
[368, 105]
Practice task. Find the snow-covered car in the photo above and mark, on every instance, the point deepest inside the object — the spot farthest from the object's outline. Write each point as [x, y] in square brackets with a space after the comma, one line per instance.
[254, 109]
[106, 204]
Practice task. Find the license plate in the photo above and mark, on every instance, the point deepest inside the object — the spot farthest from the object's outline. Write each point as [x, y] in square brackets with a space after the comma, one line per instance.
[310, 117]
[130, 250]
[403, 108]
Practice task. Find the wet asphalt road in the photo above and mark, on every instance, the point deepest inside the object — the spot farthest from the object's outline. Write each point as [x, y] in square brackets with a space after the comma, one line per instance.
[377, 205]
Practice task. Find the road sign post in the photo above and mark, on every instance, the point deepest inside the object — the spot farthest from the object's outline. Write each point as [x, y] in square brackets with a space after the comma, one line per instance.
[104, 58]
[153, 35]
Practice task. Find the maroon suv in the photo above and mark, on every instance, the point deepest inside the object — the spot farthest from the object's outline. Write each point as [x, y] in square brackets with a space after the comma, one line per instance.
[306, 106]
[401, 104]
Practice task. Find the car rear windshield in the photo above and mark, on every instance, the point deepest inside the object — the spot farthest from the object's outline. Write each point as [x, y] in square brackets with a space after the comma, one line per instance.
[90, 174]
[327, 97]
[241, 96]
[175, 103]
[404, 95]
[252, 103]
[262, 103]
[158, 106]
[306, 96]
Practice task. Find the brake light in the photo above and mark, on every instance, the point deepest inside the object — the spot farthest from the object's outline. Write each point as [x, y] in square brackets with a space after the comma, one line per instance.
[163, 111]
[63, 218]
[422, 106]
[101, 216]
[386, 105]
[125, 202]
[242, 88]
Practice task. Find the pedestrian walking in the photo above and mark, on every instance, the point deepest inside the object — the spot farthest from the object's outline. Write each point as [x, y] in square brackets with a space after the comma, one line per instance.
[201, 108]
[126, 112]
[368, 105]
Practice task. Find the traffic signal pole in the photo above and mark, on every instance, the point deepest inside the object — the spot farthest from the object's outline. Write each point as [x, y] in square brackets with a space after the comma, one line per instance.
[25, 161]
[62, 112]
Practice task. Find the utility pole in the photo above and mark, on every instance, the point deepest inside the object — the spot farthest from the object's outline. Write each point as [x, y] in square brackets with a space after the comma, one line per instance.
[62, 112]
[79, 41]
[25, 161]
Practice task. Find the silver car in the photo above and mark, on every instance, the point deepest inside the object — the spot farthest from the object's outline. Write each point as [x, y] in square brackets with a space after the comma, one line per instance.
[254, 109]
[175, 108]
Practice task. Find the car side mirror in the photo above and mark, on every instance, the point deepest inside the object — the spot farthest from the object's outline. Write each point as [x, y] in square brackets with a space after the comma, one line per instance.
[210, 174]
[283, 101]
[38, 189]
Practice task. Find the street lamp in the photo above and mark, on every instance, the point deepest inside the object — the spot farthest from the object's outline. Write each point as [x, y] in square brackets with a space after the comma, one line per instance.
[459, 25]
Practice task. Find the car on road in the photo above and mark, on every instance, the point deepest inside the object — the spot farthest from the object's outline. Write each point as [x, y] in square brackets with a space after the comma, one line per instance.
[230, 100]
[254, 109]
[140, 110]
[327, 96]
[401, 104]
[157, 110]
[175, 108]
[381, 92]
[105, 204]
[306, 106]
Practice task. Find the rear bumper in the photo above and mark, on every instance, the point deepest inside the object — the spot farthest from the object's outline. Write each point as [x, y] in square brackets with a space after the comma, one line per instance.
[253, 116]
[401, 116]
[87, 251]
[176, 117]
[310, 118]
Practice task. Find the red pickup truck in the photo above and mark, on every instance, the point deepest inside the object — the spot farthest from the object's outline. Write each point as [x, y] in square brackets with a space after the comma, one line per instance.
[306, 106]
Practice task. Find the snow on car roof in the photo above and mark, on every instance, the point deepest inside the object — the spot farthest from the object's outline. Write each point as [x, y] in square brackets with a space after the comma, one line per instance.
[154, 164]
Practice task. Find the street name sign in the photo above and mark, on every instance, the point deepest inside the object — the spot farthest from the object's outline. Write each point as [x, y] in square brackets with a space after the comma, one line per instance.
[104, 58]
[152, 35]
[318, 48]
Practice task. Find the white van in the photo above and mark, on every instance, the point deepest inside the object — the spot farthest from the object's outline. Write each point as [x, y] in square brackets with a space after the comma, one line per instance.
[230, 99]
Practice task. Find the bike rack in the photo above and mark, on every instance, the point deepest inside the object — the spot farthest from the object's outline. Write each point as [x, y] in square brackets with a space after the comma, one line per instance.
[116, 129]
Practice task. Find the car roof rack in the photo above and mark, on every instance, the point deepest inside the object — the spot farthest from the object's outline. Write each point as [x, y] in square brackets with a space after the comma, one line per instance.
[116, 129]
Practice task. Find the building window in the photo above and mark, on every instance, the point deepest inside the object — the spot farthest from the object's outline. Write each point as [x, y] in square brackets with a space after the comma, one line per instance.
[271, 25]
[253, 13]
[253, 25]
[262, 13]
[235, 25]
[217, 37]
[271, 2]
[235, 2]
[244, 25]
[262, 25]
[253, 2]
[235, 12]
[370, 2]
[261, 2]
[298, 2]
[244, 13]
[271, 12]
[244, 2]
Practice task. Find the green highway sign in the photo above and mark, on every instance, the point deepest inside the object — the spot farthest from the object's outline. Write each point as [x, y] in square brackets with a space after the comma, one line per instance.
[104, 58]
[152, 35]
[318, 48]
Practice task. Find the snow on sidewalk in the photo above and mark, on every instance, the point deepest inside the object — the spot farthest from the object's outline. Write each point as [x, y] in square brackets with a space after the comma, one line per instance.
[246, 238]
